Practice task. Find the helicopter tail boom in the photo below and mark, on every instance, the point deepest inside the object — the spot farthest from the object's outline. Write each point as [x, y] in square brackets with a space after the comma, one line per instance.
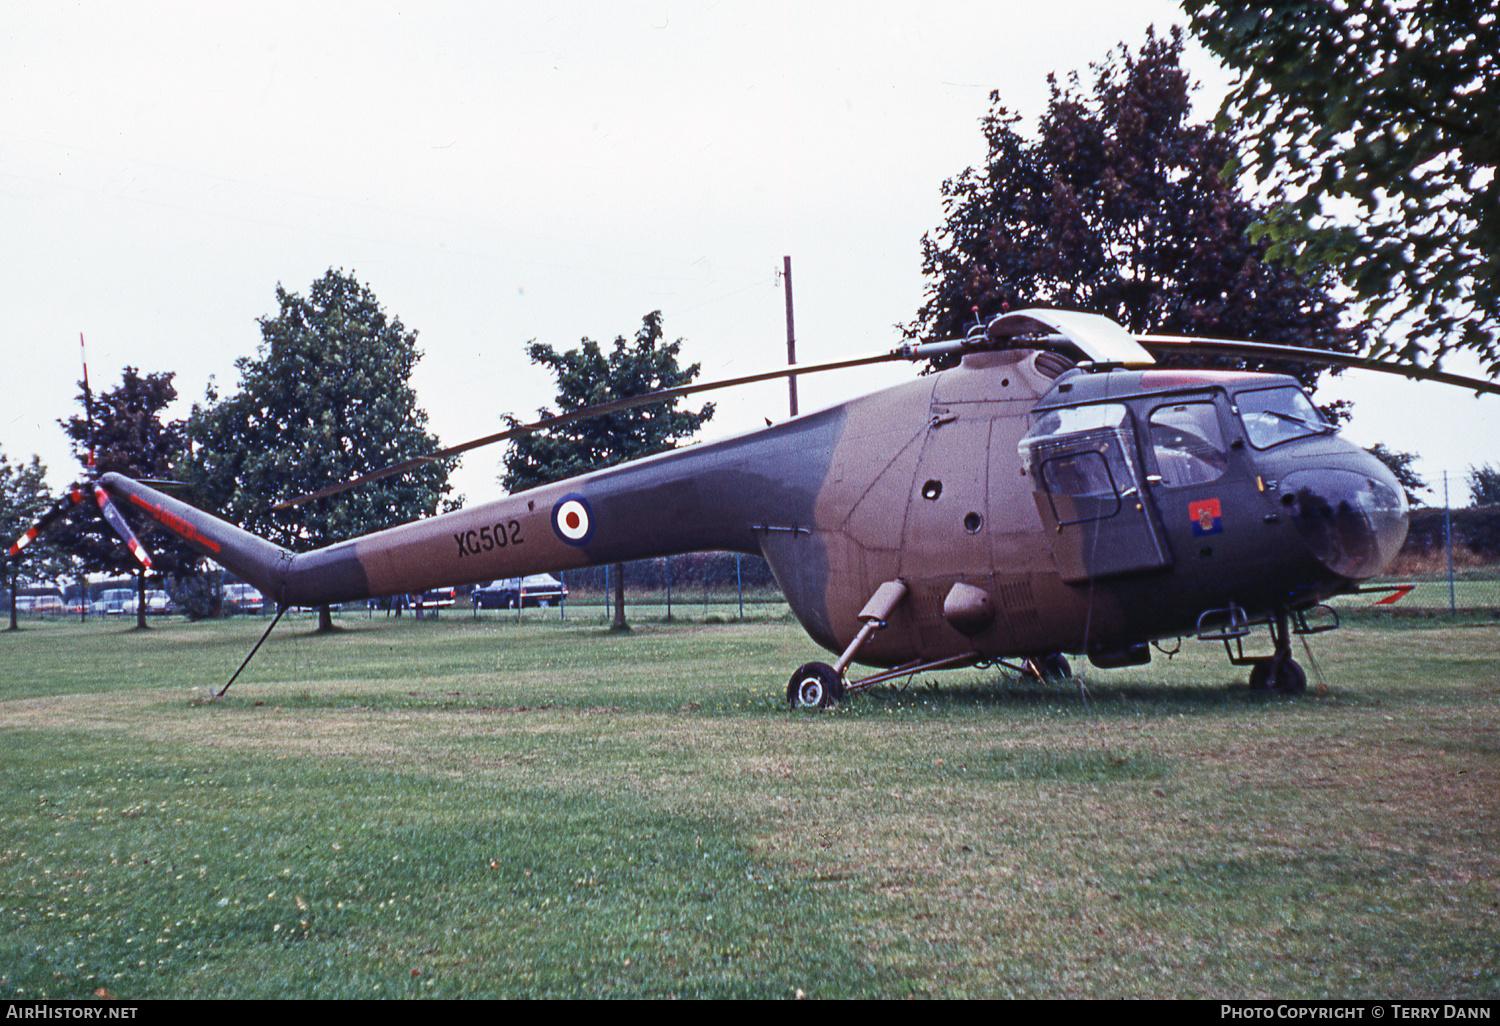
[712, 497]
[251, 557]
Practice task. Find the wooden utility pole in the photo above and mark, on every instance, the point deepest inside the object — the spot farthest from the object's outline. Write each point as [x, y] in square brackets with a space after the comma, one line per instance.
[791, 332]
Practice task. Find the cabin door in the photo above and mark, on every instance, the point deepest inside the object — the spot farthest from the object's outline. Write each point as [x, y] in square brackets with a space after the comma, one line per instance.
[1088, 484]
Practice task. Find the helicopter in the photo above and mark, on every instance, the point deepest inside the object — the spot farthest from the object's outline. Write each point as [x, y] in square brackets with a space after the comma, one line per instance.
[1055, 493]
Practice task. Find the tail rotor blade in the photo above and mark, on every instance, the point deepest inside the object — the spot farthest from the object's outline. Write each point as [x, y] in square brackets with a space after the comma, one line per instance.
[88, 400]
[117, 520]
[47, 519]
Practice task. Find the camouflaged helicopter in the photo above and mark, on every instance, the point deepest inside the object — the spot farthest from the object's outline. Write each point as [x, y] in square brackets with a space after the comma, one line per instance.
[1055, 493]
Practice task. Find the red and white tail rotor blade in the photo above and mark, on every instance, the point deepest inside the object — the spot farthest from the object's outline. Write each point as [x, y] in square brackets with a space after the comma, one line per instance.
[88, 400]
[116, 520]
[57, 512]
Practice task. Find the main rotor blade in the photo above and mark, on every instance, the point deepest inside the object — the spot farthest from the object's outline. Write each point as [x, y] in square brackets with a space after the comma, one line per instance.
[1158, 343]
[1299, 354]
[602, 409]
[46, 520]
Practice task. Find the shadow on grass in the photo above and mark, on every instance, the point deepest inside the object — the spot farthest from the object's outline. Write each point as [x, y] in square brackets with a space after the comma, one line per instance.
[701, 704]
[1134, 698]
[1124, 698]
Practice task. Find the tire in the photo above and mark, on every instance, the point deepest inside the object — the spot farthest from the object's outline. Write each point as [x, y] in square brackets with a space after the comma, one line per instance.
[814, 686]
[1290, 679]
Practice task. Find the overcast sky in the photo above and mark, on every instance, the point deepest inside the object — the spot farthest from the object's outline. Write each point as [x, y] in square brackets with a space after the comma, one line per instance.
[502, 172]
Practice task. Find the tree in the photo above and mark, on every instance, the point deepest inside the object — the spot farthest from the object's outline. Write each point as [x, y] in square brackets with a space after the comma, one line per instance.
[586, 377]
[1484, 485]
[327, 399]
[1118, 207]
[121, 430]
[24, 497]
[1394, 105]
[1400, 466]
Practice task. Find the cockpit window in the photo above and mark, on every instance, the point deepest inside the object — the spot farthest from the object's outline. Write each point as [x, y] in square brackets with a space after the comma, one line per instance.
[1276, 415]
[1188, 444]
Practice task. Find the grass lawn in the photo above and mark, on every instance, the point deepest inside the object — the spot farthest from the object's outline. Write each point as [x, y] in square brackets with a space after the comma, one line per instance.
[460, 808]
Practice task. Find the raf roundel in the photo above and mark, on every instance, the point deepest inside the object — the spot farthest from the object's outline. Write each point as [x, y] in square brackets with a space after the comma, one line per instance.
[572, 520]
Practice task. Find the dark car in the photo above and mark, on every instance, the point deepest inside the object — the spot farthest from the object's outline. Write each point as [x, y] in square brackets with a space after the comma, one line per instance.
[532, 590]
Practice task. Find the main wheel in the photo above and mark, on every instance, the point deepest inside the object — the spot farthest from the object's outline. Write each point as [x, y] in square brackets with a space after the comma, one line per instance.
[814, 686]
[1288, 679]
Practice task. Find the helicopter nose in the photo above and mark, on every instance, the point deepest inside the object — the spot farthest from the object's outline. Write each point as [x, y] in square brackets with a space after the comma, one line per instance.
[1353, 520]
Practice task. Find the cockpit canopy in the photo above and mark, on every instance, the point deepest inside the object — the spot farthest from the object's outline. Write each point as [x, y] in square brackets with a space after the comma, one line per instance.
[1107, 452]
[1179, 409]
[1276, 415]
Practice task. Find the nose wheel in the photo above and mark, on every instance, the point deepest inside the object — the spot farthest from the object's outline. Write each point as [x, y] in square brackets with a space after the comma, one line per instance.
[1279, 674]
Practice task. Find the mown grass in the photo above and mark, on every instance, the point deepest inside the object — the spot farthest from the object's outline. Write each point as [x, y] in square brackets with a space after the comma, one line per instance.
[467, 808]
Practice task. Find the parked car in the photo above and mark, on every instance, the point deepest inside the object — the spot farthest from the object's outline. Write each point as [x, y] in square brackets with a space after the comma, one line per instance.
[115, 602]
[532, 590]
[121, 602]
[437, 598]
[39, 605]
[240, 597]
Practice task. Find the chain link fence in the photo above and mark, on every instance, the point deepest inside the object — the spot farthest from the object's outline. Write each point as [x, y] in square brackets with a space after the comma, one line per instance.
[703, 586]
[1450, 563]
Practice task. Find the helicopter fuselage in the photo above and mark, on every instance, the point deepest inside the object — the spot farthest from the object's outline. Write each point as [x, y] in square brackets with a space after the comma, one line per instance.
[1025, 507]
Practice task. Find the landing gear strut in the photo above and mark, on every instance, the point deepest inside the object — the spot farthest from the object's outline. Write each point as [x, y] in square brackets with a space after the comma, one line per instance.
[818, 685]
[1279, 674]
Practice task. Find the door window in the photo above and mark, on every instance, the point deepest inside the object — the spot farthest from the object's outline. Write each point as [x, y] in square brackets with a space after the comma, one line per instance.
[1080, 487]
[1080, 458]
[1188, 444]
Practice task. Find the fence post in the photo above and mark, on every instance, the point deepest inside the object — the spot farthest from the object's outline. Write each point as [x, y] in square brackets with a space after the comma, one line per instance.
[1448, 543]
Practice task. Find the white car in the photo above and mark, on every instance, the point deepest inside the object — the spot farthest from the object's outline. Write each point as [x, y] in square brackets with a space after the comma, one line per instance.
[121, 602]
[39, 605]
[115, 602]
[240, 597]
